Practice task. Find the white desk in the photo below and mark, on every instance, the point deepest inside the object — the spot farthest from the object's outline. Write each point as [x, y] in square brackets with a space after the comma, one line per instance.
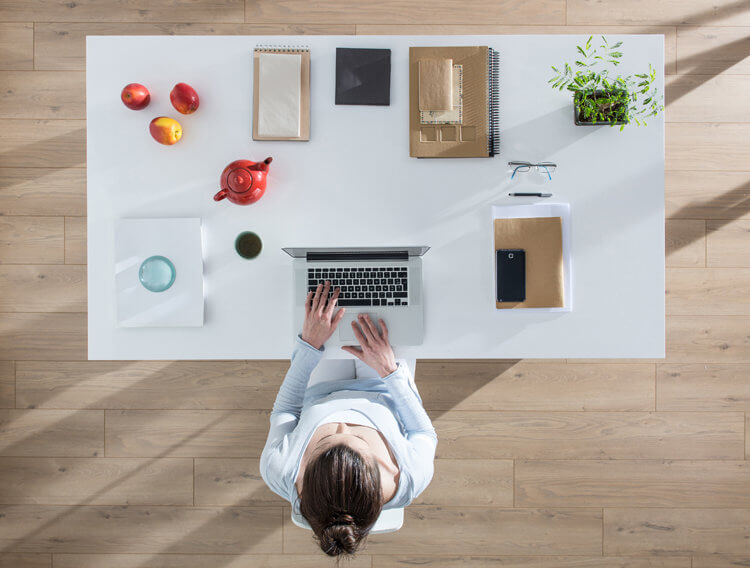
[340, 189]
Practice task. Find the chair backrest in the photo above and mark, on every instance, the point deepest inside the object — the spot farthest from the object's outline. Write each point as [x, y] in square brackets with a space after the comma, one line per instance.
[390, 520]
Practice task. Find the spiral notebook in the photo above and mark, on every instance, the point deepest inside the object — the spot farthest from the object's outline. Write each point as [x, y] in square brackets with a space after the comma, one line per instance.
[281, 93]
[453, 102]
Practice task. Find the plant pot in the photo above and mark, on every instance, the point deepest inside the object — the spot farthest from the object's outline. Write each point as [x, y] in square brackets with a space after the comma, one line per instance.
[580, 122]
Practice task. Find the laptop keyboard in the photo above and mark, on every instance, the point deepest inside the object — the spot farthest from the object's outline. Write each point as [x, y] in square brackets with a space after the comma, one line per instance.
[375, 286]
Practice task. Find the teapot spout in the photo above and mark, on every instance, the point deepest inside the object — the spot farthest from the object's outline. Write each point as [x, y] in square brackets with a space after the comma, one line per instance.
[220, 195]
[266, 162]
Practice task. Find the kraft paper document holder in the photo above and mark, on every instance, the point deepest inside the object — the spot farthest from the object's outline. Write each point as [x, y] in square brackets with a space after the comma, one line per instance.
[543, 231]
[281, 93]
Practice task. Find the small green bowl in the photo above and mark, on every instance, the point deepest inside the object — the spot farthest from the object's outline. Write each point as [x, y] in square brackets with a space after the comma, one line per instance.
[157, 273]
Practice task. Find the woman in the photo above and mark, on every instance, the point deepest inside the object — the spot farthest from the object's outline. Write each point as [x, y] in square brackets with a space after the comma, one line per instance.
[341, 449]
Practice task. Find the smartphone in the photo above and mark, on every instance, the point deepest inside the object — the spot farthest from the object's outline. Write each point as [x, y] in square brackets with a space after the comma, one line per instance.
[511, 275]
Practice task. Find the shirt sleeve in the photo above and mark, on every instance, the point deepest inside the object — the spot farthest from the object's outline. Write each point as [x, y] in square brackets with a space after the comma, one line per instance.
[285, 415]
[419, 430]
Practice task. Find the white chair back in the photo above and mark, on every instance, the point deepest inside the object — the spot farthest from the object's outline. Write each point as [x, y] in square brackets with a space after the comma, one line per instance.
[390, 520]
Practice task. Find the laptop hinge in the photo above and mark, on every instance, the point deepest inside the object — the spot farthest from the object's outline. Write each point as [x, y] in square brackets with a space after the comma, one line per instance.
[357, 256]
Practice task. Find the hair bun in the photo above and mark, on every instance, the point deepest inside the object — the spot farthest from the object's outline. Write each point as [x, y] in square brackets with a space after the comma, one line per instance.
[339, 537]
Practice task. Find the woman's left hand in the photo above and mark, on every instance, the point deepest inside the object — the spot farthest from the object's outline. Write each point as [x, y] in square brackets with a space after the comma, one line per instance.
[320, 321]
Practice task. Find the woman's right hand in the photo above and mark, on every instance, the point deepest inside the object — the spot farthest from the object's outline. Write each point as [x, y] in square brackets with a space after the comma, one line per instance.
[374, 351]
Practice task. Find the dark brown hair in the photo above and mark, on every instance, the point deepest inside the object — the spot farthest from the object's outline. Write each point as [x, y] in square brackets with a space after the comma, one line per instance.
[341, 499]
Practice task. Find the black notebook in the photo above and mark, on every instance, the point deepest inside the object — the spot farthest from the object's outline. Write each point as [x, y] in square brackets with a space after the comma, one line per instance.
[363, 76]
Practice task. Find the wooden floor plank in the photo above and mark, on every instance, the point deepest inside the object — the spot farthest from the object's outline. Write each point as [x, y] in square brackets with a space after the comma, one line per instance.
[707, 195]
[7, 384]
[16, 46]
[669, 32]
[232, 482]
[214, 561]
[470, 483]
[707, 146]
[219, 385]
[701, 387]
[704, 98]
[676, 531]
[186, 433]
[50, 288]
[75, 240]
[632, 483]
[728, 244]
[51, 433]
[25, 561]
[591, 435]
[62, 46]
[718, 12]
[130, 11]
[465, 531]
[708, 339]
[414, 12]
[686, 242]
[42, 336]
[139, 529]
[708, 291]
[30, 240]
[59, 144]
[491, 385]
[47, 191]
[42, 94]
[527, 562]
[96, 481]
[716, 561]
[713, 50]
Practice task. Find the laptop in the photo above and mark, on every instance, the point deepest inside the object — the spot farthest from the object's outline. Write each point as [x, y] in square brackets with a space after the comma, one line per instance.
[384, 282]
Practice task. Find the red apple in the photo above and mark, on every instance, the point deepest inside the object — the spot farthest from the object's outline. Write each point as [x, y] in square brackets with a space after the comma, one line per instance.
[184, 98]
[135, 96]
[165, 130]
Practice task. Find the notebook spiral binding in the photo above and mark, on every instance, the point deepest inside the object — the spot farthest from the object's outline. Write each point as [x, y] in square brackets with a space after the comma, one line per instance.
[493, 140]
[282, 48]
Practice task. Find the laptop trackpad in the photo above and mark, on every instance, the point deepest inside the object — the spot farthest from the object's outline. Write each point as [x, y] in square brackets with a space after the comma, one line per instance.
[346, 334]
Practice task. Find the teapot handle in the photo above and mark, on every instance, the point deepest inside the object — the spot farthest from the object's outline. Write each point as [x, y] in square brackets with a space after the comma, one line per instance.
[221, 195]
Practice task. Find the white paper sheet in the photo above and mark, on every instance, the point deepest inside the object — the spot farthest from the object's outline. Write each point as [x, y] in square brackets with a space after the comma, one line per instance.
[179, 240]
[279, 94]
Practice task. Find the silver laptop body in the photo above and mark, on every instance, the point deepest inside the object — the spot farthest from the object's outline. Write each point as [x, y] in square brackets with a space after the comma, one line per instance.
[385, 282]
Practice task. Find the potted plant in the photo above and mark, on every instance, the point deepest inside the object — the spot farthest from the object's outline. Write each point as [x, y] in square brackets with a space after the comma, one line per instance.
[598, 97]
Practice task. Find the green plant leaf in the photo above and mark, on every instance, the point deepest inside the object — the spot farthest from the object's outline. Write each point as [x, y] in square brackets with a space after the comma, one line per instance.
[580, 49]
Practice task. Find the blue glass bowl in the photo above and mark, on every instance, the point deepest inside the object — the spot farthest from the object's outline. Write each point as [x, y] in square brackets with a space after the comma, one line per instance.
[157, 273]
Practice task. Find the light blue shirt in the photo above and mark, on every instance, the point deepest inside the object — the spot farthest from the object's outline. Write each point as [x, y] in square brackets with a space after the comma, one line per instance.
[390, 403]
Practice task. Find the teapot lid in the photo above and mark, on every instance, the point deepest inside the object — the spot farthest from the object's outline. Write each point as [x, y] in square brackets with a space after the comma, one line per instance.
[239, 180]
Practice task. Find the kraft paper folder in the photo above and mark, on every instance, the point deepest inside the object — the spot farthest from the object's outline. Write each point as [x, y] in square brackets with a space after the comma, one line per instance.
[543, 231]
[476, 134]
[281, 95]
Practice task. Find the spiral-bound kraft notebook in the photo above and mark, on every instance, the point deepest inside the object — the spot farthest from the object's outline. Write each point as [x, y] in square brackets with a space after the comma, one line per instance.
[281, 93]
[465, 79]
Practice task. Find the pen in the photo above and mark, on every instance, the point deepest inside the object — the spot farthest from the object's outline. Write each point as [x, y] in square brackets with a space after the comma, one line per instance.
[530, 194]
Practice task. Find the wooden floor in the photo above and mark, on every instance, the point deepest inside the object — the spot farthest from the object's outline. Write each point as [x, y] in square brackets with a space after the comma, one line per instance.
[554, 464]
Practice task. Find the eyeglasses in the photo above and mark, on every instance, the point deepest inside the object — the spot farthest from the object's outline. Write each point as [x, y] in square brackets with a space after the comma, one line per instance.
[523, 167]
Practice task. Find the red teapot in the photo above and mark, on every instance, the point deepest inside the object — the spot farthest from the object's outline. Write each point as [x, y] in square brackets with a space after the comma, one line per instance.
[243, 182]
